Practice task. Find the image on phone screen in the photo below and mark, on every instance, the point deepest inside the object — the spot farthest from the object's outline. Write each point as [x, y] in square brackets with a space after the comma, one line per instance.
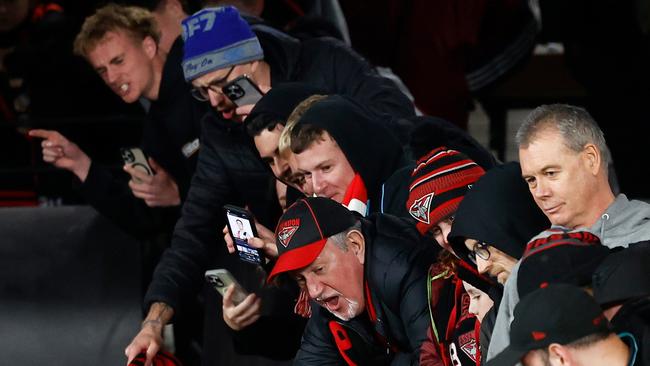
[241, 229]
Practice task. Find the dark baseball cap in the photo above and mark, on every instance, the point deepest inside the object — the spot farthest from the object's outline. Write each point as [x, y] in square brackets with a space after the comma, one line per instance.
[569, 257]
[557, 313]
[303, 231]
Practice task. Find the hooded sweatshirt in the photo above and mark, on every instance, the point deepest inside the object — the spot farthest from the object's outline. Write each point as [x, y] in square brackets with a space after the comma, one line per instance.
[371, 149]
[623, 223]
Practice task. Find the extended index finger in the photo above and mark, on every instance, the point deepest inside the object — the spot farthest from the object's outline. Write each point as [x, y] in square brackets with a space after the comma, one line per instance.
[44, 134]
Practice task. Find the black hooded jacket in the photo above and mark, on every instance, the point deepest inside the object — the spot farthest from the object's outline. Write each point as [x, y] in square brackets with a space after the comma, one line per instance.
[396, 268]
[330, 64]
[500, 211]
[372, 150]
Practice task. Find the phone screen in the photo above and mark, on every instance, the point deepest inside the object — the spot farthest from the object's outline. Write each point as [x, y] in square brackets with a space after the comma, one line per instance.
[241, 229]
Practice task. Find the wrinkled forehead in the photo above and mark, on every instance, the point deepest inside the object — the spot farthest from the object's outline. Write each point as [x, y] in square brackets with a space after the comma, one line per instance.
[544, 149]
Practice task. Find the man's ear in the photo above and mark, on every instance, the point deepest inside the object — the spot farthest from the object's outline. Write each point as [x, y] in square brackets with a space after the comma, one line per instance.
[357, 244]
[558, 354]
[176, 8]
[254, 65]
[592, 159]
[150, 46]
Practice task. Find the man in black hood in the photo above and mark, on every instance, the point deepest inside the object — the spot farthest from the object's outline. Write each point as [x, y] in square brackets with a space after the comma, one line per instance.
[492, 225]
[345, 153]
[495, 220]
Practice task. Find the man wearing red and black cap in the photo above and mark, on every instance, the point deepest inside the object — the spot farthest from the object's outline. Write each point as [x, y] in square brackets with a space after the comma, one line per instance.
[368, 276]
[563, 325]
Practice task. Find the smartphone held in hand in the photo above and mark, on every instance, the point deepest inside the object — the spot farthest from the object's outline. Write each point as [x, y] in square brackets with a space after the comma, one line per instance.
[135, 157]
[220, 279]
[242, 228]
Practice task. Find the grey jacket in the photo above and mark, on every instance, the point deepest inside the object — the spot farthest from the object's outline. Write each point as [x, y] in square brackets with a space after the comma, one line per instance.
[624, 222]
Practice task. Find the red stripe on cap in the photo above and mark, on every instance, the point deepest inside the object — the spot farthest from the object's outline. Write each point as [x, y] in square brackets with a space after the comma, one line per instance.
[445, 169]
[569, 242]
[538, 336]
[434, 154]
[315, 219]
[297, 258]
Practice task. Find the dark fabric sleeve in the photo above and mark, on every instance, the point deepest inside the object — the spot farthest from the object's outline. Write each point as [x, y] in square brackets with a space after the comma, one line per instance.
[227, 172]
[411, 268]
[486, 332]
[113, 198]
[355, 77]
[195, 239]
[317, 347]
[262, 337]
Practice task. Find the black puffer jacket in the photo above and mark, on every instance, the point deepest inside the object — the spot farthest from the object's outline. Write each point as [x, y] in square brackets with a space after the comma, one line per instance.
[173, 121]
[230, 171]
[396, 267]
[634, 317]
[330, 64]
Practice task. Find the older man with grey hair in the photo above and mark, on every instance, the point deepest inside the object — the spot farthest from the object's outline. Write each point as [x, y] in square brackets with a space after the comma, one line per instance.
[564, 159]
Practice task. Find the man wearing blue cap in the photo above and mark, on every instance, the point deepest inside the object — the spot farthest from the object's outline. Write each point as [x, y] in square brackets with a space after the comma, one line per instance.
[220, 47]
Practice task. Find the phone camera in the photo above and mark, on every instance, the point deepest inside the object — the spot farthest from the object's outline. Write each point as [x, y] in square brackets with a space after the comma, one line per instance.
[217, 281]
[234, 91]
[128, 157]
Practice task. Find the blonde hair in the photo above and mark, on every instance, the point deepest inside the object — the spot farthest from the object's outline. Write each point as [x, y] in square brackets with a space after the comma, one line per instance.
[137, 22]
[302, 137]
[284, 145]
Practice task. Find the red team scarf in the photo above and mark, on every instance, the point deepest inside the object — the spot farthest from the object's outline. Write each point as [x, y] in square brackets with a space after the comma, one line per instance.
[356, 197]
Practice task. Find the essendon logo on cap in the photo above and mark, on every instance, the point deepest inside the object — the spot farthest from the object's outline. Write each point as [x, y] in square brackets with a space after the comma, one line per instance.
[286, 231]
[420, 208]
[538, 336]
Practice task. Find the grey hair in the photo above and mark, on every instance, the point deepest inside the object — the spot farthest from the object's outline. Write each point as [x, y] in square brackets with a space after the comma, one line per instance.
[576, 126]
[340, 238]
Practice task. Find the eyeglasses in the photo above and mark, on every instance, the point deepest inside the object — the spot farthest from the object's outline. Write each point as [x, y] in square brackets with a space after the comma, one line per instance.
[200, 93]
[480, 250]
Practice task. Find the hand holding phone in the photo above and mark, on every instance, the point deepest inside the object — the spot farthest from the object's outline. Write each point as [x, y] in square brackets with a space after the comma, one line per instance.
[241, 315]
[242, 228]
[135, 157]
[221, 279]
